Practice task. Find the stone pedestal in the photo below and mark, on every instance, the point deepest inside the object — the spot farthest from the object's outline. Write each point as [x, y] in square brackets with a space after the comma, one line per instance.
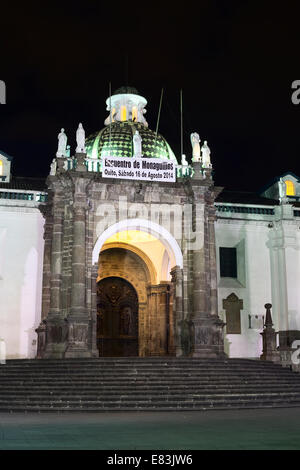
[61, 165]
[208, 337]
[41, 341]
[197, 167]
[80, 159]
[207, 173]
[56, 337]
[78, 331]
[270, 352]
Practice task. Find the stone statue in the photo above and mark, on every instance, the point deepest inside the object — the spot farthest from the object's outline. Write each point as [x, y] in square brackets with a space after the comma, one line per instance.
[62, 144]
[53, 166]
[184, 161]
[195, 140]
[205, 155]
[80, 139]
[282, 191]
[137, 145]
[68, 151]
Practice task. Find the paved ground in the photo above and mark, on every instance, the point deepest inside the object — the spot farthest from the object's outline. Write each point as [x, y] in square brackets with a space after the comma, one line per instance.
[249, 429]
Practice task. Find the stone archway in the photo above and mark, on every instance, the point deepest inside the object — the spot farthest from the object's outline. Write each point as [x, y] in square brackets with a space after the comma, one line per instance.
[155, 301]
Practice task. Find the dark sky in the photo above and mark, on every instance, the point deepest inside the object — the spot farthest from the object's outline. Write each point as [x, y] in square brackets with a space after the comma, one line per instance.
[234, 60]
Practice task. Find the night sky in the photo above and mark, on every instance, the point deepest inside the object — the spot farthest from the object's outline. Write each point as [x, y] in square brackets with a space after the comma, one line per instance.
[234, 60]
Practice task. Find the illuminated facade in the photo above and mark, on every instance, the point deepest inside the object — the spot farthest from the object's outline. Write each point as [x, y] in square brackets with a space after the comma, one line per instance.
[115, 267]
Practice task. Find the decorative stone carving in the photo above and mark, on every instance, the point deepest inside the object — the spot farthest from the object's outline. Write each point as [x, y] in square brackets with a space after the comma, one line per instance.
[125, 321]
[141, 112]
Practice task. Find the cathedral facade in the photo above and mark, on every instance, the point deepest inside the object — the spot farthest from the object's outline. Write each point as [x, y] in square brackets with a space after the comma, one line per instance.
[126, 251]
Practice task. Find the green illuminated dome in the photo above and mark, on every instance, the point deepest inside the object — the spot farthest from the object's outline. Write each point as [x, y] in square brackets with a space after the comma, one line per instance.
[98, 145]
[126, 116]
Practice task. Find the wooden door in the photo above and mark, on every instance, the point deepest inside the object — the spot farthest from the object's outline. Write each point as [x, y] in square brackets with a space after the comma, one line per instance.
[117, 318]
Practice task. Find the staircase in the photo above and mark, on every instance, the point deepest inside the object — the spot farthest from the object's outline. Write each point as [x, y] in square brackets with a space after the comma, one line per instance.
[145, 384]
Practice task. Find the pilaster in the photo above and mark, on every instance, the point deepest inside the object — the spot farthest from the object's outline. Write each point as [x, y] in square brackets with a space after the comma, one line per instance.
[79, 317]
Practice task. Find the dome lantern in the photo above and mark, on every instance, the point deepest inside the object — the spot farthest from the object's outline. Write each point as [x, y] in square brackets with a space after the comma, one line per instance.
[126, 104]
[126, 118]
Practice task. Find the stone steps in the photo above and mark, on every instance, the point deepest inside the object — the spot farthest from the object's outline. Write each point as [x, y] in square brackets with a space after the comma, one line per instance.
[116, 384]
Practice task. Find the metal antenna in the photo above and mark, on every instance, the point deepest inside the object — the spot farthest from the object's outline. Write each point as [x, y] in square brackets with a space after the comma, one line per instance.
[158, 117]
[110, 118]
[181, 125]
[126, 70]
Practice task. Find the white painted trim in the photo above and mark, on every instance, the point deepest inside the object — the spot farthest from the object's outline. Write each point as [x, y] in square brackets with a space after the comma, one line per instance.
[142, 225]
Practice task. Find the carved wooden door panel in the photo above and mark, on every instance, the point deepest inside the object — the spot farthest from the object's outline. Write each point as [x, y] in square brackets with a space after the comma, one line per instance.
[117, 318]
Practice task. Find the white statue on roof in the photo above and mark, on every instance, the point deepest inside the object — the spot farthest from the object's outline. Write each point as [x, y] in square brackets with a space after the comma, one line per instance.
[80, 139]
[184, 160]
[195, 140]
[53, 166]
[282, 191]
[62, 144]
[206, 155]
[137, 145]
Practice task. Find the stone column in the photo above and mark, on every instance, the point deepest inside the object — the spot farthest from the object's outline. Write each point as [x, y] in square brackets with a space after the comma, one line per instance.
[177, 280]
[95, 351]
[79, 318]
[41, 330]
[80, 159]
[212, 262]
[55, 323]
[207, 326]
[153, 294]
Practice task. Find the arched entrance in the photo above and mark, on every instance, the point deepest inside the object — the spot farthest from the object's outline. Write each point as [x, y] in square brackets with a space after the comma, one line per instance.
[117, 318]
[144, 257]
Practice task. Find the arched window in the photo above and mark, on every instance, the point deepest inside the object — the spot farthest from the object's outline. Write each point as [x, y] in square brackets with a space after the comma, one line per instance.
[113, 113]
[123, 113]
[1, 168]
[134, 113]
[290, 188]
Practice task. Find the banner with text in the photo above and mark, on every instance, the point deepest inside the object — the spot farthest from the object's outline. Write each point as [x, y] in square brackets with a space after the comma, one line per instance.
[147, 169]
